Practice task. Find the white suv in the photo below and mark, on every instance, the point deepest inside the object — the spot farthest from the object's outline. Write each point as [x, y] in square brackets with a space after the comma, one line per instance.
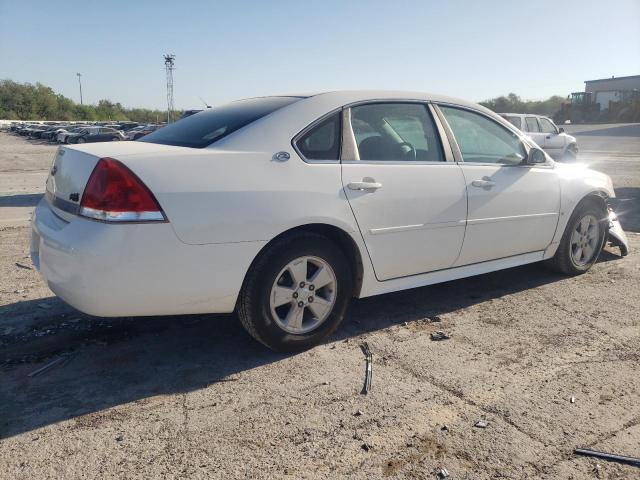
[546, 134]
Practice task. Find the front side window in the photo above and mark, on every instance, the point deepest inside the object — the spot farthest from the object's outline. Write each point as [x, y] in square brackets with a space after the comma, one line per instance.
[532, 124]
[322, 142]
[546, 126]
[212, 124]
[482, 140]
[395, 131]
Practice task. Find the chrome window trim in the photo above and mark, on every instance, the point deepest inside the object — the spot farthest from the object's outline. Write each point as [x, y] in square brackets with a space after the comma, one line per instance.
[305, 130]
[506, 125]
[349, 136]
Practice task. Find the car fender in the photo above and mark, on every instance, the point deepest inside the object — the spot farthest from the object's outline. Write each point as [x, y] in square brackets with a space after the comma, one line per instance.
[577, 182]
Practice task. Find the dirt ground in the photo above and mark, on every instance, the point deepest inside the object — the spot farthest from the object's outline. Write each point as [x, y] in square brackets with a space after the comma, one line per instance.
[196, 397]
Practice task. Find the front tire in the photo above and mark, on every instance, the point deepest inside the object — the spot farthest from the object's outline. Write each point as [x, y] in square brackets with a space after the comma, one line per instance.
[296, 293]
[81, 140]
[582, 240]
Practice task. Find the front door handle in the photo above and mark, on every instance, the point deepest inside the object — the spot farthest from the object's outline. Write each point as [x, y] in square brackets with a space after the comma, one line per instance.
[364, 185]
[485, 183]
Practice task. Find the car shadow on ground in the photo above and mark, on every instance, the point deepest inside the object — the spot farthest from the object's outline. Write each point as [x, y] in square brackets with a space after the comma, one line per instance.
[627, 206]
[111, 362]
[20, 200]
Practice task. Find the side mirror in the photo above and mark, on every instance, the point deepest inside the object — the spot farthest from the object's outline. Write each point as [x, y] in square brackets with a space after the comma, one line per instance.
[561, 130]
[536, 156]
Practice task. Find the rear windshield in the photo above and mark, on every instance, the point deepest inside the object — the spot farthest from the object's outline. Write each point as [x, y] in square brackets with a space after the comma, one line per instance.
[209, 126]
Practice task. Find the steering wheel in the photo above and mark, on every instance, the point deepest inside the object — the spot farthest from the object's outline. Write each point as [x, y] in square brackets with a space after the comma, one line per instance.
[411, 149]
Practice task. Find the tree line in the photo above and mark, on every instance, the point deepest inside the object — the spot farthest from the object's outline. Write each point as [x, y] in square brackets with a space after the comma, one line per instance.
[512, 103]
[26, 101]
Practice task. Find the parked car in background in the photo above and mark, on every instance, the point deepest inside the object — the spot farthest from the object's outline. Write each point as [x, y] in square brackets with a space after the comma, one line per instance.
[95, 134]
[284, 208]
[51, 133]
[551, 138]
[38, 130]
[145, 130]
[65, 132]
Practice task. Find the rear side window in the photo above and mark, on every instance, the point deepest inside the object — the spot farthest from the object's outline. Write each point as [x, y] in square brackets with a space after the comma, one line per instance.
[209, 126]
[532, 124]
[322, 142]
[515, 121]
[395, 132]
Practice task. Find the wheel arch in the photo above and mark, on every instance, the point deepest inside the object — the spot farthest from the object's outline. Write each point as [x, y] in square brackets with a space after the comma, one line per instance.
[337, 235]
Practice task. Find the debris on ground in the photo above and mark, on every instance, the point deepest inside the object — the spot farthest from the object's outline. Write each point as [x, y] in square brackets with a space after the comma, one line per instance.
[22, 265]
[119, 438]
[633, 461]
[439, 336]
[481, 423]
[366, 447]
[58, 361]
[434, 319]
[572, 399]
[368, 368]
[359, 413]
[441, 473]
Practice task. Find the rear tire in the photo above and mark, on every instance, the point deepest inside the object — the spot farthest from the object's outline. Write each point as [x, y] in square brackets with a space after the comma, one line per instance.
[582, 241]
[280, 285]
[81, 140]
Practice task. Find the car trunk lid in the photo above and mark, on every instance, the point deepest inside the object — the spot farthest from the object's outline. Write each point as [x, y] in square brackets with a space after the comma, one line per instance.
[72, 166]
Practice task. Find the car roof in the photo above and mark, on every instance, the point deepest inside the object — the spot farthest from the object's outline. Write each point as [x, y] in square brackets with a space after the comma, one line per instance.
[352, 96]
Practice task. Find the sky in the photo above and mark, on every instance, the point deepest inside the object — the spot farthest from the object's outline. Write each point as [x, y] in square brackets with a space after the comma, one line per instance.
[233, 49]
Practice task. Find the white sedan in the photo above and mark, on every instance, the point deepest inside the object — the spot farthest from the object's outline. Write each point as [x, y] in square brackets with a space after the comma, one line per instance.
[284, 208]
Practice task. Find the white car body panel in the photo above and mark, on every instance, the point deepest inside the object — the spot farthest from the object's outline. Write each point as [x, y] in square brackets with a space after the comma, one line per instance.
[523, 205]
[417, 205]
[225, 202]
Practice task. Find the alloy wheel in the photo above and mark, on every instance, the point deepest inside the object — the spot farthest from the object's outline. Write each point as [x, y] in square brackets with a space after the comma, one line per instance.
[303, 294]
[584, 240]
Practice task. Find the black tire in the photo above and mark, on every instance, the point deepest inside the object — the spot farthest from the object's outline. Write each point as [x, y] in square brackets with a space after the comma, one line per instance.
[253, 307]
[563, 261]
[80, 140]
[115, 139]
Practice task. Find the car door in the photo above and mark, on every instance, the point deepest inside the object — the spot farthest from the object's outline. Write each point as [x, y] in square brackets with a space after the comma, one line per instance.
[553, 141]
[533, 130]
[406, 192]
[513, 207]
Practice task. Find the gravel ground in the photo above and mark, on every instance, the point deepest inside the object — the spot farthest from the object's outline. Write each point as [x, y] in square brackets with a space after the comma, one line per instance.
[194, 396]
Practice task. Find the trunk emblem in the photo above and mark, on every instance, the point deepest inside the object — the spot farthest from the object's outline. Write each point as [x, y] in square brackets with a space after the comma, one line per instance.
[54, 170]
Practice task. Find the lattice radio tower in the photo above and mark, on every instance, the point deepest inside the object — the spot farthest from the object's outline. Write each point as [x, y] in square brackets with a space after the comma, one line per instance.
[169, 59]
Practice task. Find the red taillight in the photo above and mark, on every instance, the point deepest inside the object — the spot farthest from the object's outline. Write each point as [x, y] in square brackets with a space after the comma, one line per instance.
[115, 194]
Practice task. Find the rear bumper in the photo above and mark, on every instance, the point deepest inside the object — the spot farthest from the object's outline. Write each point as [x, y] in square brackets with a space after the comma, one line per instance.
[115, 270]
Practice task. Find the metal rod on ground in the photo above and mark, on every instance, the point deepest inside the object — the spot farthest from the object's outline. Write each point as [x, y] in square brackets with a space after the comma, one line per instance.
[368, 368]
[635, 462]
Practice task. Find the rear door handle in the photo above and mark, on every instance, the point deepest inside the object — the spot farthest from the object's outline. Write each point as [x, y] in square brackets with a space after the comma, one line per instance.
[484, 183]
[364, 185]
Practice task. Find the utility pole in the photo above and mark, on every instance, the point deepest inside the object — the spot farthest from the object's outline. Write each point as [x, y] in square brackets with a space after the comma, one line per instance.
[169, 59]
[80, 83]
